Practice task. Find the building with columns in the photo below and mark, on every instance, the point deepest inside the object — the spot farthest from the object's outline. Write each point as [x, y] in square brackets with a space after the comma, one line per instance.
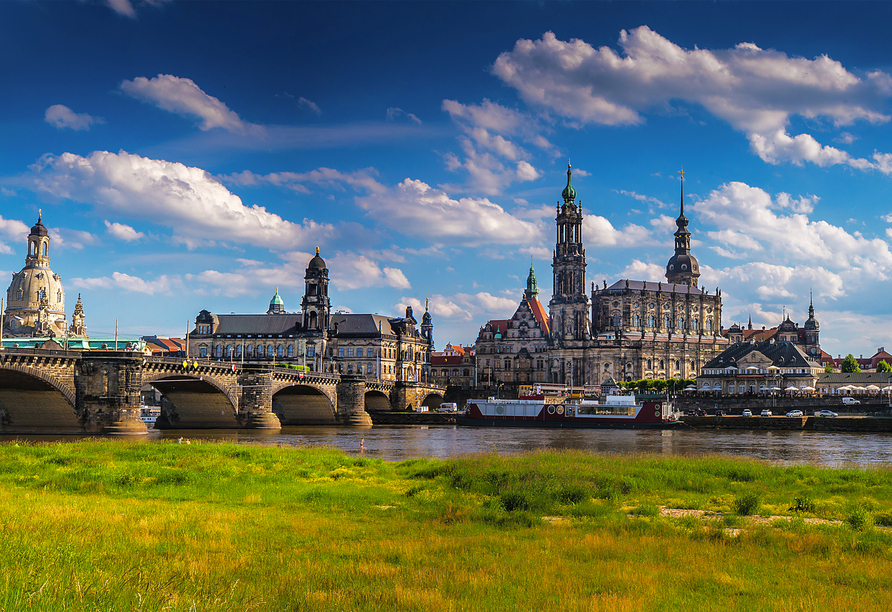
[629, 330]
[378, 347]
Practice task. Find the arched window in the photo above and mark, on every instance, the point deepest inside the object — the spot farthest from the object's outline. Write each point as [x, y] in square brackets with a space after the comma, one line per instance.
[652, 322]
[667, 322]
[662, 365]
[238, 350]
[311, 321]
[228, 352]
[280, 351]
[44, 249]
[269, 350]
[694, 366]
[218, 350]
[680, 322]
[636, 321]
[695, 324]
[677, 364]
[617, 320]
[649, 364]
[708, 324]
[291, 350]
[249, 351]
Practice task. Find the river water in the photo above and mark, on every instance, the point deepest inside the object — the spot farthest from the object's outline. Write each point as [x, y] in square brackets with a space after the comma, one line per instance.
[395, 443]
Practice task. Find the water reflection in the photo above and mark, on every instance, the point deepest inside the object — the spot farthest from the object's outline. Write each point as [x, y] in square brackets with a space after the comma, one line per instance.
[395, 443]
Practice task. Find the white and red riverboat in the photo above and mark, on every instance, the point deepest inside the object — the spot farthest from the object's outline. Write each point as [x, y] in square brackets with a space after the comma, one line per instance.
[608, 412]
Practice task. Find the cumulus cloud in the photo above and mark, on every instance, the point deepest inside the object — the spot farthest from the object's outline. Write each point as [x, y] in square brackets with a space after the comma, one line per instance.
[350, 271]
[123, 232]
[641, 270]
[755, 90]
[12, 231]
[463, 306]
[417, 208]
[492, 158]
[60, 116]
[164, 284]
[599, 231]
[197, 207]
[183, 97]
[746, 219]
[395, 114]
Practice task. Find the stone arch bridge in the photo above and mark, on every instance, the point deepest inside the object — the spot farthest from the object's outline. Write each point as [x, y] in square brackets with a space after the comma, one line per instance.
[45, 391]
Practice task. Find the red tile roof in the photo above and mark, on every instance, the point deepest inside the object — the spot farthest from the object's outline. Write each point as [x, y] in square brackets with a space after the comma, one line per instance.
[539, 313]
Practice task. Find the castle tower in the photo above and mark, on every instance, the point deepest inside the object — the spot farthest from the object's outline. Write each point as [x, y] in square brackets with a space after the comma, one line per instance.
[682, 268]
[315, 307]
[427, 326]
[532, 290]
[35, 301]
[569, 304]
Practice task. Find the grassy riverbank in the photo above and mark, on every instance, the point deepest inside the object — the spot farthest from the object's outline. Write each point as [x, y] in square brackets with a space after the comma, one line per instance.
[116, 525]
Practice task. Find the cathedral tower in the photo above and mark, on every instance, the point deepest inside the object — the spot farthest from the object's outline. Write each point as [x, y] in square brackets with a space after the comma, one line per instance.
[569, 304]
[682, 268]
[315, 307]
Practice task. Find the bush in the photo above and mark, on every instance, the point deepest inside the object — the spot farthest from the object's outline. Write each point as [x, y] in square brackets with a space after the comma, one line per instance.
[747, 504]
[859, 518]
[803, 504]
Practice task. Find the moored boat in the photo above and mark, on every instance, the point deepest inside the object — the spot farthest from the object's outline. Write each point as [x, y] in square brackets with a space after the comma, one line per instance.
[610, 412]
[149, 414]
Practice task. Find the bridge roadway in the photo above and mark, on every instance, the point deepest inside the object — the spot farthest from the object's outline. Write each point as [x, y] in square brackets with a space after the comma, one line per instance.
[54, 391]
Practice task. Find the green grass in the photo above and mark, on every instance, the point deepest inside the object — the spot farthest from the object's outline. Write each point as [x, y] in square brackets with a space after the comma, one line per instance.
[117, 525]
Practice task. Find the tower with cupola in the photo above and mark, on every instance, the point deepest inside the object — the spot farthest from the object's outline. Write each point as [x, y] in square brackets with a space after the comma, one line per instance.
[682, 268]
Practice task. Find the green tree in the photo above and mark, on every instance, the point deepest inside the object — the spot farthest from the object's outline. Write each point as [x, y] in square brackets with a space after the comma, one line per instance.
[828, 367]
[849, 364]
[883, 366]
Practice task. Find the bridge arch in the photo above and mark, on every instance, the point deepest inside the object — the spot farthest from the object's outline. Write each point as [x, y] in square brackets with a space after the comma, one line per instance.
[303, 404]
[377, 401]
[31, 399]
[193, 401]
[432, 401]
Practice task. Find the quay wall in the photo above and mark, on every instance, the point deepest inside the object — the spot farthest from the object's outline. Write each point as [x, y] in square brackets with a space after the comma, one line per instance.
[413, 418]
[810, 423]
[735, 404]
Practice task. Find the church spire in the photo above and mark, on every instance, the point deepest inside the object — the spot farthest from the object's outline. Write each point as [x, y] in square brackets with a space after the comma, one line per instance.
[532, 286]
[682, 268]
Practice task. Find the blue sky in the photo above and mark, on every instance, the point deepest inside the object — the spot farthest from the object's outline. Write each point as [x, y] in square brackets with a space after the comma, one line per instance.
[192, 155]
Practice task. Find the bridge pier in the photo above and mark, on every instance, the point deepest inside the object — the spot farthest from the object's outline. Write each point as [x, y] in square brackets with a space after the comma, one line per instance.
[107, 388]
[351, 401]
[256, 400]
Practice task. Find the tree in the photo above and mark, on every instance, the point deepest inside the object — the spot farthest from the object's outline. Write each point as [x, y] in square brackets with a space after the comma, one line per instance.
[828, 368]
[884, 367]
[849, 364]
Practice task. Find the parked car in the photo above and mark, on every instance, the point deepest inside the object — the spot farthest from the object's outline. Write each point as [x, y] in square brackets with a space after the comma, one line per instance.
[850, 401]
[747, 413]
[794, 413]
[720, 413]
[766, 412]
[825, 413]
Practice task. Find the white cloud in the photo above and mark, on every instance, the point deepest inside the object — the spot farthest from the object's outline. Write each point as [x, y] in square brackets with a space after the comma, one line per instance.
[640, 270]
[296, 181]
[123, 232]
[756, 91]
[13, 231]
[64, 238]
[186, 199]
[394, 114]
[464, 306]
[351, 271]
[60, 116]
[599, 231]
[305, 104]
[165, 285]
[415, 208]
[640, 197]
[183, 97]
[746, 220]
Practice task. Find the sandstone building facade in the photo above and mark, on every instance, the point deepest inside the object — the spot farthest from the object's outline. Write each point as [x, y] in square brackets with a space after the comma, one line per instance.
[627, 331]
[381, 348]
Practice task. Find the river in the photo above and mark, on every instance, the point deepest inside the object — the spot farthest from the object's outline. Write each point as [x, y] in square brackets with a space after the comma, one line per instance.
[395, 443]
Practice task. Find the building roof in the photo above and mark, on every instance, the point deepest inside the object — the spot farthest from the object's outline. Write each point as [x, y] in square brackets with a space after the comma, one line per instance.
[539, 313]
[361, 324]
[659, 287]
[446, 360]
[499, 326]
[781, 354]
[859, 378]
[257, 324]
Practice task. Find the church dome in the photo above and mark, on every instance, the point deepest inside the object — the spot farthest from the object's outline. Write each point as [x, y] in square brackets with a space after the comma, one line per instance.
[317, 263]
[276, 305]
[31, 286]
[569, 193]
[682, 263]
[38, 229]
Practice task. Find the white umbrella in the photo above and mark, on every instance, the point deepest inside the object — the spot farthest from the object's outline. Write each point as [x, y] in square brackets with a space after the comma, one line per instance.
[873, 388]
[792, 388]
[752, 368]
[775, 388]
[691, 388]
[808, 388]
[773, 368]
[889, 388]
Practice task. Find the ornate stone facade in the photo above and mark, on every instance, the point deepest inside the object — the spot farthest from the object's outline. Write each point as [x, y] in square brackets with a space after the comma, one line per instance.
[630, 330]
[35, 299]
[373, 346]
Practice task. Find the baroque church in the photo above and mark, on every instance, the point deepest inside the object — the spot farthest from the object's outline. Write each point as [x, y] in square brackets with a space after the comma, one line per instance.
[629, 330]
[35, 299]
[316, 340]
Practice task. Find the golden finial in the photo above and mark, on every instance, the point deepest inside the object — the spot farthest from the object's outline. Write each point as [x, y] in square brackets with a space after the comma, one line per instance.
[681, 172]
[317, 250]
[39, 214]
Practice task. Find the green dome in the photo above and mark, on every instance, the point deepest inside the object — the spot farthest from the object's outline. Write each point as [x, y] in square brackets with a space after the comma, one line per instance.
[569, 192]
[277, 299]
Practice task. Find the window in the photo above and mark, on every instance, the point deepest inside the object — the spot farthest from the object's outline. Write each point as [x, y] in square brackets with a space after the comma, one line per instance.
[280, 351]
[667, 322]
[695, 324]
[228, 352]
[359, 369]
[636, 321]
[617, 320]
[680, 322]
[652, 322]
[359, 352]
[291, 350]
[350, 352]
[311, 350]
[238, 351]
[203, 352]
[269, 350]
[340, 352]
